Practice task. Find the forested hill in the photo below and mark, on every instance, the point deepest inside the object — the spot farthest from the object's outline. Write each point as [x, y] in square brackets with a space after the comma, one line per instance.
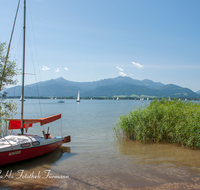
[119, 86]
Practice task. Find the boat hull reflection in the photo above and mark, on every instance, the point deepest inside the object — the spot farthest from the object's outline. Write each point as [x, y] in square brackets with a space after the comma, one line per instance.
[49, 159]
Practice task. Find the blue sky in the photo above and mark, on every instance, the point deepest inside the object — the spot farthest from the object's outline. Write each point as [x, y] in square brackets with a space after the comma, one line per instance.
[90, 40]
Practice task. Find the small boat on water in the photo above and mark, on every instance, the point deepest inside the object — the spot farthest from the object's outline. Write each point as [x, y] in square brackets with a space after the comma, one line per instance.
[78, 97]
[14, 148]
[61, 101]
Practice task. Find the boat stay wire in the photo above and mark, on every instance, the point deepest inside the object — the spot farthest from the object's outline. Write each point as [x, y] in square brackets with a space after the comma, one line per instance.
[8, 50]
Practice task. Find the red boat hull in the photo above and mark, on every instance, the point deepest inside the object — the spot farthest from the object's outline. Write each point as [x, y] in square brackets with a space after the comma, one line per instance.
[24, 154]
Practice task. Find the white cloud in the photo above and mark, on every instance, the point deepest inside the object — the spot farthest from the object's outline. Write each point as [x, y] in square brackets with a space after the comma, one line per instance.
[138, 65]
[57, 70]
[45, 68]
[120, 68]
[66, 68]
[122, 74]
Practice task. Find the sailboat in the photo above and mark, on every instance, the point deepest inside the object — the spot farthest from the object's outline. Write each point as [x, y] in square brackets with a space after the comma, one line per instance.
[14, 148]
[21, 98]
[78, 97]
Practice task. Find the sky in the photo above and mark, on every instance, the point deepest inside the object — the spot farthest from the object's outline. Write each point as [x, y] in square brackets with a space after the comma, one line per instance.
[91, 40]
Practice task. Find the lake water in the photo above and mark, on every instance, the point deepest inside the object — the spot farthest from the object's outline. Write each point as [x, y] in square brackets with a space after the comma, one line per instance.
[94, 159]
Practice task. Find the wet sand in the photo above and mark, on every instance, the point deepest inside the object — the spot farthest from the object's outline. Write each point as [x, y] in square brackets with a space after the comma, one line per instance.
[126, 165]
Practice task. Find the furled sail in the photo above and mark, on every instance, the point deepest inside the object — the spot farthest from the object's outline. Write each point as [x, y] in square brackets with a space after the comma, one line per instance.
[16, 123]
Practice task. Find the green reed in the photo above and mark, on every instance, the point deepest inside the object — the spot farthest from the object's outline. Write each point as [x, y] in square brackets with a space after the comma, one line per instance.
[163, 121]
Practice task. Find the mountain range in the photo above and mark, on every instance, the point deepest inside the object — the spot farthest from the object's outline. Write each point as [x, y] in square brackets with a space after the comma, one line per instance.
[119, 86]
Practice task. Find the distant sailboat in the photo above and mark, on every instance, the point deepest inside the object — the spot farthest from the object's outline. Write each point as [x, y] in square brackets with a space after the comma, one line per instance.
[117, 98]
[21, 98]
[78, 97]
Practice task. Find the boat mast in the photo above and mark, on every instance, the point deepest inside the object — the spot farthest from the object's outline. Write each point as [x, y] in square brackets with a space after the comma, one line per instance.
[23, 69]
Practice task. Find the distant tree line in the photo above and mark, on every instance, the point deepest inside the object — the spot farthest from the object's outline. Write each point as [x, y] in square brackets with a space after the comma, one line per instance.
[96, 98]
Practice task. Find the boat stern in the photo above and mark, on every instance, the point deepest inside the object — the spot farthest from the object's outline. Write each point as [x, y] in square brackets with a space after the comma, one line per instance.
[67, 139]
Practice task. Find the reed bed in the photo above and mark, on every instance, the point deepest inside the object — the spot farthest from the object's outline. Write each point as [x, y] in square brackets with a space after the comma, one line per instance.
[163, 121]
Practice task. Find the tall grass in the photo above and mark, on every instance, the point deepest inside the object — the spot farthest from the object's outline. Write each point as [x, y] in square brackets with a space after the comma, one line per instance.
[163, 121]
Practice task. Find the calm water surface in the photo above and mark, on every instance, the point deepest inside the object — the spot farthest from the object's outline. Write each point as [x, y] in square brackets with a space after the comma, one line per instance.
[94, 159]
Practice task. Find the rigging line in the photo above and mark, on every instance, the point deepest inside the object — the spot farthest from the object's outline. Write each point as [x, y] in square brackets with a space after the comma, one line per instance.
[32, 58]
[19, 47]
[33, 102]
[8, 50]
[37, 61]
[17, 58]
[29, 45]
[8, 142]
